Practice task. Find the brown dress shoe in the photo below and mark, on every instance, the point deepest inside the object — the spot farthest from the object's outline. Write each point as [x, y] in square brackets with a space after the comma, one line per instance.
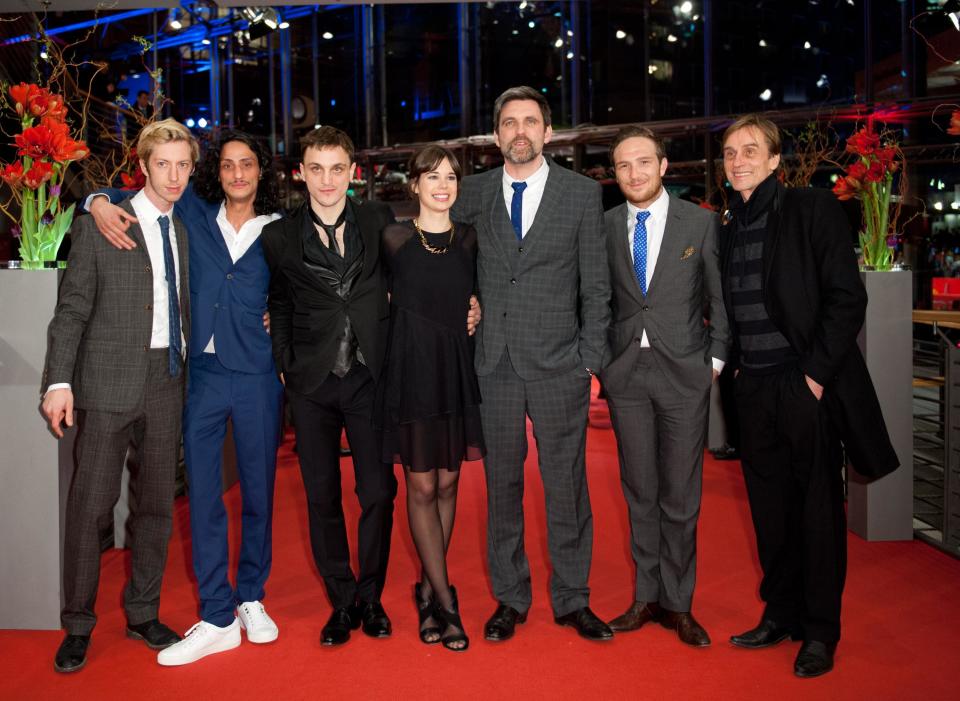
[688, 630]
[640, 612]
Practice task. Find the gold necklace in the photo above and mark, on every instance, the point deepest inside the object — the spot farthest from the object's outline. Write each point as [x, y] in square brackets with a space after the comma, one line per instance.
[429, 246]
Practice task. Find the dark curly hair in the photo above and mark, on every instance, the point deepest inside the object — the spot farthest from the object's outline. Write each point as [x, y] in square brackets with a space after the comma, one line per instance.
[207, 179]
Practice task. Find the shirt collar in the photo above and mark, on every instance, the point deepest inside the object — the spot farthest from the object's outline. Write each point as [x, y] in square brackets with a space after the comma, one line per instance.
[264, 218]
[539, 176]
[147, 209]
[657, 208]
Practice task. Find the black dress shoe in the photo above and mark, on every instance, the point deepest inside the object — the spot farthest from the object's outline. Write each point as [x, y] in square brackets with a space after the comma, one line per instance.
[725, 452]
[766, 633]
[587, 624]
[156, 635]
[374, 620]
[338, 627]
[815, 658]
[688, 629]
[72, 654]
[502, 623]
[639, 613]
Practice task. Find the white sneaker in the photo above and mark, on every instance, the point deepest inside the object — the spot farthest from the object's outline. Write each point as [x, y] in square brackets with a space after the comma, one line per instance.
[254, 619]
[201, 640]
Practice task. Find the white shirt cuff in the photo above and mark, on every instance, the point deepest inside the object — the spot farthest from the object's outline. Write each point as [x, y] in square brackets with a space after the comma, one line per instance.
[57, 385]
[718, 364]
[90, 198]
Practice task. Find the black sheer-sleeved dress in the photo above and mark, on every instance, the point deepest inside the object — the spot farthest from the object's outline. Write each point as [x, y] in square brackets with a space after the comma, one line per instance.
[428, 398]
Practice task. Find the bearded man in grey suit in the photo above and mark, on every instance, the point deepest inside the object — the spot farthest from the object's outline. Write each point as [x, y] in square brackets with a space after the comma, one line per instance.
[665, 273]
[545, 291]
[115, 352]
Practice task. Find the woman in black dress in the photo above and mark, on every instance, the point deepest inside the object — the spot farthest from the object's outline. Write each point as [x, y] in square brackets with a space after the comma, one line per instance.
[428, 397]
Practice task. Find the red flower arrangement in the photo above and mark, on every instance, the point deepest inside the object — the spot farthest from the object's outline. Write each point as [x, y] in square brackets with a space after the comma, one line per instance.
[44, 151]
[869, 178]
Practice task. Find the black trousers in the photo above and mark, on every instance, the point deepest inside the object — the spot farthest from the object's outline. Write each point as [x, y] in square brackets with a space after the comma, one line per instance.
[319, 418]
[792, 463]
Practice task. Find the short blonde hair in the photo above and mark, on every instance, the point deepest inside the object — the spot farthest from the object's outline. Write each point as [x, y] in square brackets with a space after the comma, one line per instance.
[163, 132]
[769, 130]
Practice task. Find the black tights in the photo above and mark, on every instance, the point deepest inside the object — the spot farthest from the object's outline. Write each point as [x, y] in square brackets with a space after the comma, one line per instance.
[431, 506]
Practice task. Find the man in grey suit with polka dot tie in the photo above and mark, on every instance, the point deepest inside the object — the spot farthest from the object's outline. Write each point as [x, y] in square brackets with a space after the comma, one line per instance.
[665, 274]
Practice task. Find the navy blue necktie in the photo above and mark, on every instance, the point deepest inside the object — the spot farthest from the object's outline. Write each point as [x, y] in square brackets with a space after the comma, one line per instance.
[173, 301]
[640, 250]
[516, 209]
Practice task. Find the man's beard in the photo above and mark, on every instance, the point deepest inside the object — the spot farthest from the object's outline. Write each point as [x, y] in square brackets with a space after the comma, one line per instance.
[519, 158]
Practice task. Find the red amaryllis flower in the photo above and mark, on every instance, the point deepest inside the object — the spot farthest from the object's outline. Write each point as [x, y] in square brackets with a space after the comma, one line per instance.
[857, 172]
[876, 172]
[37, 175]
[863, 143]
[846, 188]
[13, 174]
[954, 128]
[64, 148]
[133, 182]
[23, 95]
[36, 142]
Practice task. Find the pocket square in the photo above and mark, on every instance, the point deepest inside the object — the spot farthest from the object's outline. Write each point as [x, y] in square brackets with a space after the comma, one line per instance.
[689, 251]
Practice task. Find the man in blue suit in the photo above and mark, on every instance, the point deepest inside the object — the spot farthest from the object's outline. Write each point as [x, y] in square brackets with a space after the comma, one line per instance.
[231, 376]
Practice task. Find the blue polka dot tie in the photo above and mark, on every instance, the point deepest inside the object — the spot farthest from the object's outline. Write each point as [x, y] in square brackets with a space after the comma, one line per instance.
[516, 209]
[640, 250]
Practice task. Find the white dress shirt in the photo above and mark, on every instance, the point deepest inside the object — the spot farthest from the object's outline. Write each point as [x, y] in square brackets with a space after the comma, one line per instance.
[238, 242]
[656, 226]
[531, 195]
[147, 218]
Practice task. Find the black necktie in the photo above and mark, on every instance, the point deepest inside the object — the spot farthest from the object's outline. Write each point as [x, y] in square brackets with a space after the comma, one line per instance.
[330, 229]
[173, 301]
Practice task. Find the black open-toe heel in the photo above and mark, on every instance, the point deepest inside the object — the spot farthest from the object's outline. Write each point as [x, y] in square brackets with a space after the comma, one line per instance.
[426, 609]
[451, 619]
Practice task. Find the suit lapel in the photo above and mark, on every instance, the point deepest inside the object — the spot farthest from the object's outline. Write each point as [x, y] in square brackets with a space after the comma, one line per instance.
[495, 207]
[369, 234]
[623, 257]
[135, 231]
[211, 214]
[183, 262]
[549, 204]
[670, 246]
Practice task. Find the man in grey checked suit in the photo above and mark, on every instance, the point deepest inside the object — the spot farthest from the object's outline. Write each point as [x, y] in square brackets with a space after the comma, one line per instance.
[115, 350]
[545, 292]
[665, 274]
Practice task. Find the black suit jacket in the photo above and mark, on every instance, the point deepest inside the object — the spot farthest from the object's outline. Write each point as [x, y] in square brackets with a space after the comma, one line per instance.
[814, 295]
[307, 316]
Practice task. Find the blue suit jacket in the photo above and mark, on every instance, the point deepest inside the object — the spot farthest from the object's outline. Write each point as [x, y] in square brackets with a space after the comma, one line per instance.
[227, 299]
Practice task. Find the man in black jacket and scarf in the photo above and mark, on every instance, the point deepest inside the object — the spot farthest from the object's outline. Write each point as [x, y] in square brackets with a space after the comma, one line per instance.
[796, 303]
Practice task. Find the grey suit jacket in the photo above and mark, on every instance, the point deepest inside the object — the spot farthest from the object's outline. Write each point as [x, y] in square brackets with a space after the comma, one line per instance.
[684, 288]
[545, 299]
[100, 331]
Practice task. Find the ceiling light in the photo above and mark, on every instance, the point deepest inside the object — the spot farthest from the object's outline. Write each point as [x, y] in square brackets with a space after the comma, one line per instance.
[807, 45]
[558, 43]
[621, 34]
[766, 95]
[328, 35]
[762, 43]
[671, 38]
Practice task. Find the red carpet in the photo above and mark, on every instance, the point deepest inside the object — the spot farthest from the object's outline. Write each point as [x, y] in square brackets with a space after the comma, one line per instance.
[901, 611]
